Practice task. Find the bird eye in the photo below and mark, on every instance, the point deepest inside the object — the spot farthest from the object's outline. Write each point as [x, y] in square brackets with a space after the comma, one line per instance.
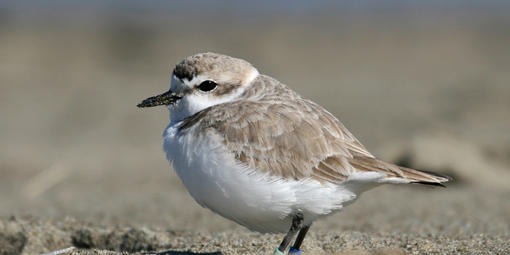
[207, 85]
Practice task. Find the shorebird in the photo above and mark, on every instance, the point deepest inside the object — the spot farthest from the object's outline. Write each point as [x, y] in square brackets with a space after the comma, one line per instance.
[254, 151]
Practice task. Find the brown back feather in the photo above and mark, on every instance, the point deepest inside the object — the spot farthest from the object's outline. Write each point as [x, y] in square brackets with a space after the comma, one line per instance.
[274, 130]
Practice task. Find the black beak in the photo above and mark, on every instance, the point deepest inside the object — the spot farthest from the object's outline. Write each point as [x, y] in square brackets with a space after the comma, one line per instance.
[167, 98]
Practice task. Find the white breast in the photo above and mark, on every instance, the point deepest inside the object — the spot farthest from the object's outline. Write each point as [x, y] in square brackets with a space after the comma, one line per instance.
[257, 201]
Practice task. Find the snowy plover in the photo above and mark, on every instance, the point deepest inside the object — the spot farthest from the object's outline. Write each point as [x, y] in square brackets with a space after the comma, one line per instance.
[256, 152]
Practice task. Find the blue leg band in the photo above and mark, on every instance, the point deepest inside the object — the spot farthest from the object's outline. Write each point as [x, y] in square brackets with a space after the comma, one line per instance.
[294, 251]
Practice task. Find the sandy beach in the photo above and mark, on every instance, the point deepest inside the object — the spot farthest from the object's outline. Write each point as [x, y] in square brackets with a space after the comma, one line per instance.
[82, 167]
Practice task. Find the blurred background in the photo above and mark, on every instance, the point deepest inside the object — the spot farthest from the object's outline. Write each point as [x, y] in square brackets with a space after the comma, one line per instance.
[422, 83]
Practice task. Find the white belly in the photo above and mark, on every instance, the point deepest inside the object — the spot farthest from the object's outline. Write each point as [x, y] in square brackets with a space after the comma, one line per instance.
[257, 201]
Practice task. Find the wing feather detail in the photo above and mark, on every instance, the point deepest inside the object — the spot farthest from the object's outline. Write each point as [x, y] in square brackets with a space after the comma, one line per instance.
[271, 129]
[282, 134]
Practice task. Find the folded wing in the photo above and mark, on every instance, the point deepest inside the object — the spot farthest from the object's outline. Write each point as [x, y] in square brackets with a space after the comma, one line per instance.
[291, 137]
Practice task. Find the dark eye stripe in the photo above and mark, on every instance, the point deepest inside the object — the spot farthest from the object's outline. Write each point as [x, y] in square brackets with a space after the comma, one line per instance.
[207, 85]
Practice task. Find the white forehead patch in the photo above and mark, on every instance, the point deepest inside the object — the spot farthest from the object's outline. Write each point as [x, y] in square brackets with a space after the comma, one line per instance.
[176, 85]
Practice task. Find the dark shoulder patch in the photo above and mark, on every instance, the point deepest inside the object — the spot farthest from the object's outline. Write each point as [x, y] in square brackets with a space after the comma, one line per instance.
[193, 119]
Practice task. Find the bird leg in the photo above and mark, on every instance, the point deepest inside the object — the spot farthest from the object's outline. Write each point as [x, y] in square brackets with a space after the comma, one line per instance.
[294, 249]
[297, 224]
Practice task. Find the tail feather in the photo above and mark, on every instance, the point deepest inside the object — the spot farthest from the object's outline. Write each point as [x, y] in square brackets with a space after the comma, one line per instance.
[437, 184]
[424, 177]
[392, 171]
